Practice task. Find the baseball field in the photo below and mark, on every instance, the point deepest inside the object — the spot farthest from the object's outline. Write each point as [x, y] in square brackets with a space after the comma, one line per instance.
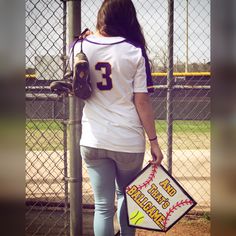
[191, 167]
[188, 134]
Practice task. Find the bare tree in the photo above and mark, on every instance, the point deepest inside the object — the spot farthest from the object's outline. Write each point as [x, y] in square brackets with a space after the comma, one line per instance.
[161, 59]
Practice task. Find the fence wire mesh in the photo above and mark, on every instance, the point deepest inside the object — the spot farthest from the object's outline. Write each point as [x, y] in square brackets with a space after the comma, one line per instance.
[46, 133]
[191, 91]
[47, 193]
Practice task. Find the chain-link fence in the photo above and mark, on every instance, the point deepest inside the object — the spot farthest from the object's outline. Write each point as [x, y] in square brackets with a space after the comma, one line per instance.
[46, 132]
[47, 193]
[191, 89]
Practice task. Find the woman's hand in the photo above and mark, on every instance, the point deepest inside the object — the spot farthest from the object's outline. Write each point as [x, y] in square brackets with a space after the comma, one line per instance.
[85, 33]
[156, 153]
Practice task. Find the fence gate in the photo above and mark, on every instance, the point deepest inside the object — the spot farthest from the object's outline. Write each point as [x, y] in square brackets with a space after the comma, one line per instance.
[46, 114]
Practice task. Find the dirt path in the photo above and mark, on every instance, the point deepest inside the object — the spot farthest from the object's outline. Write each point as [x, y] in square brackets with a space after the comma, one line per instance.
[185, 227]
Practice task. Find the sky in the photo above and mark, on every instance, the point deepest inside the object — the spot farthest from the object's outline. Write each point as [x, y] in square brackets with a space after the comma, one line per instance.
[44, 27]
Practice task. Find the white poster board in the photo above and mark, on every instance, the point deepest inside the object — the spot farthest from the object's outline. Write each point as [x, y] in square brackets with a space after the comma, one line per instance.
[155, 200]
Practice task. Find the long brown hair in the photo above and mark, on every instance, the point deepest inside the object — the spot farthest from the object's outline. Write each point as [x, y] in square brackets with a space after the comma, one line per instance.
[119, 18]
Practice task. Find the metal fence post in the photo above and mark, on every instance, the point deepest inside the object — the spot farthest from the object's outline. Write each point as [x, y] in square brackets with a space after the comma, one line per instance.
[186, 49]
[75, 113]
[64, 123]
[170, 83]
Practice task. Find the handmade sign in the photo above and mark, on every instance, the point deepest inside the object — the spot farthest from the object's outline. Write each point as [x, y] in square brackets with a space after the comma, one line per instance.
[155, 200]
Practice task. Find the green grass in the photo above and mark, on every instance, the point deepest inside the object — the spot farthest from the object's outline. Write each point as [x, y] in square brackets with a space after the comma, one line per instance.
[187, 126]
[187, 134]
[44, 125]
[47, 135]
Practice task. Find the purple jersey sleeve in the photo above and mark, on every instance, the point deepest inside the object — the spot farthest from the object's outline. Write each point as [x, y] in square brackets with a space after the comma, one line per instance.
[148, 72]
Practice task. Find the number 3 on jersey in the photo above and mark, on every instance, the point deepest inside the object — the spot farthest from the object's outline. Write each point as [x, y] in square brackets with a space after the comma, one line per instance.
[106, 83]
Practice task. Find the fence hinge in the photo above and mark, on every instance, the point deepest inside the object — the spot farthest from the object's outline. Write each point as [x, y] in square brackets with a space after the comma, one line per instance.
[64, 122]
[72, 122]
[72, 180]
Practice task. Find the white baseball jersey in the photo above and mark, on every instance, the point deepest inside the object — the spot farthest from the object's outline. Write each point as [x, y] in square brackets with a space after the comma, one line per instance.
[118, 69]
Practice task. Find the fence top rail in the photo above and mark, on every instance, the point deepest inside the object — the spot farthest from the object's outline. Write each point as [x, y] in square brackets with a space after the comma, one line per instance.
[33, 76]
[43, 97]
[182, 74]
[181, 87]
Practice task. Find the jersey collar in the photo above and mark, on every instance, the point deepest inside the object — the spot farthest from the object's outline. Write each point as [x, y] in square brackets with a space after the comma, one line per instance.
[104, 40]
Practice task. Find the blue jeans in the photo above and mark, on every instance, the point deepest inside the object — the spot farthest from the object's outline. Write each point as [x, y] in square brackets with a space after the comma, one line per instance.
[110, 172]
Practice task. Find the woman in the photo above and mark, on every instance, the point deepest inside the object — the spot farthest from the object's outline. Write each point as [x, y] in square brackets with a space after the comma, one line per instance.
[118, 112]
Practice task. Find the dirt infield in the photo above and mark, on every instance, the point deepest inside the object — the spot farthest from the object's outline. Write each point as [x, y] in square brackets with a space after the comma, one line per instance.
[190, 167]
[55, 225]
[185, 227]
[45, 183]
